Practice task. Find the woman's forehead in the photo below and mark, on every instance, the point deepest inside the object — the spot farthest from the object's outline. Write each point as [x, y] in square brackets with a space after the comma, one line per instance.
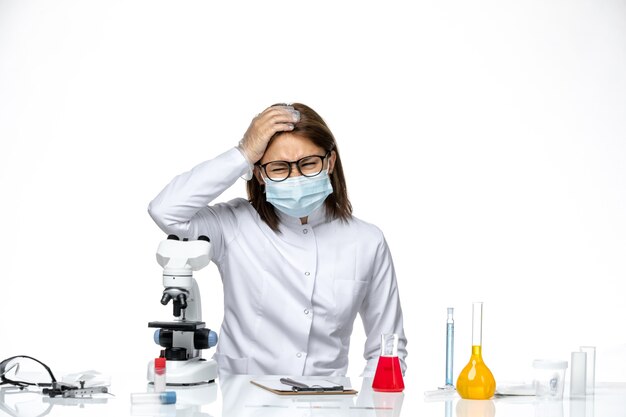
[290, 147]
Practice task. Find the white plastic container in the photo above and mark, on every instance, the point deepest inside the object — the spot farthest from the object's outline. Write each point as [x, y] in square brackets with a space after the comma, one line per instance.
[549, 378]
[591, 368]
[578, 375]
[160, 383]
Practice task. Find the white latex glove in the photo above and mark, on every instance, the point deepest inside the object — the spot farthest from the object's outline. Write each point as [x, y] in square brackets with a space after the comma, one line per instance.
[263, 127]
[91, 378]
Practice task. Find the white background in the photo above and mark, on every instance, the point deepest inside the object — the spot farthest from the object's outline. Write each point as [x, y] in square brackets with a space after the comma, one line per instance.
[486, 139]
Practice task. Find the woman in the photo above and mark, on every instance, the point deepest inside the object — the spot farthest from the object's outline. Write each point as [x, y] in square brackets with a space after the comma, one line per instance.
[295, 264]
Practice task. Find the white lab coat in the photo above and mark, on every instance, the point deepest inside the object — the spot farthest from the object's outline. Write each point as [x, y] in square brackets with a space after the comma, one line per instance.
[290, 298]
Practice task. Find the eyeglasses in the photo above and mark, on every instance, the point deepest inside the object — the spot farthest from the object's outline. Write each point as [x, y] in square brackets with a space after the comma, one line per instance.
[309, 166]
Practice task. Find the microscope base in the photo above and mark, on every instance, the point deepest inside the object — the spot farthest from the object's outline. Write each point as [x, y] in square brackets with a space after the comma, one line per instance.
[189, 372]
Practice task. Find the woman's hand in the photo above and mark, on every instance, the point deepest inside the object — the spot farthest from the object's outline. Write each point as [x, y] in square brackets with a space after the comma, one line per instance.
[263, 127]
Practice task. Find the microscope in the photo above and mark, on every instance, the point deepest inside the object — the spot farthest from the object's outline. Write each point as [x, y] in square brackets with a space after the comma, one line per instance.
[184, 338]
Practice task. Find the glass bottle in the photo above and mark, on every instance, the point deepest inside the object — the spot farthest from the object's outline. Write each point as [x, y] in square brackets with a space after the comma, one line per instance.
[476, 382]
[388, 377]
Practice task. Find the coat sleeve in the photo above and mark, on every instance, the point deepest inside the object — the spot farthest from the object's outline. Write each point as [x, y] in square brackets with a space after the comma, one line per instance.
[381, 311]
[181, 208]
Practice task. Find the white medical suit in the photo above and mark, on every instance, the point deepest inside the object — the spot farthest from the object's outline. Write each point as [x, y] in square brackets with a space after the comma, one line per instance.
[290, 298]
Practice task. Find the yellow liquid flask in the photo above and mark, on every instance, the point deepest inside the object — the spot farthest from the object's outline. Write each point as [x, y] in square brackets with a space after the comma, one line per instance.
[476, 382]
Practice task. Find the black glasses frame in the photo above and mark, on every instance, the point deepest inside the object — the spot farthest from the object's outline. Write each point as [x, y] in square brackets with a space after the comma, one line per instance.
[297, 163]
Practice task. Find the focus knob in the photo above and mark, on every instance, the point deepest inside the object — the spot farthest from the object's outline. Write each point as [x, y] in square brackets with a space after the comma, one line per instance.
[204, 339]
[164, 338]
[212, 338]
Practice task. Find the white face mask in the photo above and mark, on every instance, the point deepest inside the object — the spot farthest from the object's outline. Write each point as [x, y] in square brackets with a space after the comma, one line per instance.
[299, 196]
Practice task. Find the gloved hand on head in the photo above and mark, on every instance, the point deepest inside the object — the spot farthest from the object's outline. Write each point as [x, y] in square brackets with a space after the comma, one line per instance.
[272, 120]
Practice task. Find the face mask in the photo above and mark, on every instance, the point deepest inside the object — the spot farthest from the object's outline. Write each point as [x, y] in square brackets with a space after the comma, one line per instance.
[299, 196]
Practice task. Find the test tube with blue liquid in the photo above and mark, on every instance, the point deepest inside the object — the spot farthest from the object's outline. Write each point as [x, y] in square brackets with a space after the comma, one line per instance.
[448, 390]
[449, 348]
[160, 398]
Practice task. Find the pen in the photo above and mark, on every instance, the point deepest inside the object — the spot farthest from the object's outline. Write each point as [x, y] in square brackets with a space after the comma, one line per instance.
[293, 384]
[299, 386]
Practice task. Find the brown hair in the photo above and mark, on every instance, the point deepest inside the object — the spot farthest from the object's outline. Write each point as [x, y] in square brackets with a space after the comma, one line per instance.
[311, 126]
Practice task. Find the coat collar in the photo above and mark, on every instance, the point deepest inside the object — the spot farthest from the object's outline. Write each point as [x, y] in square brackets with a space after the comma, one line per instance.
[316, 218]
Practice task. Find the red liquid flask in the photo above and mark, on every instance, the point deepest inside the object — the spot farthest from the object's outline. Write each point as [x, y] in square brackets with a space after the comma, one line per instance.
[388, 377]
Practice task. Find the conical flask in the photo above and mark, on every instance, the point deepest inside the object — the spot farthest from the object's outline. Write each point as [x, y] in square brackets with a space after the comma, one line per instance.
[476, 382]
[388, 377]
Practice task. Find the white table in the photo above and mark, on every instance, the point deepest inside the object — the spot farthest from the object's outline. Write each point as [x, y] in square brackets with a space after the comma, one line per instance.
[236, 396]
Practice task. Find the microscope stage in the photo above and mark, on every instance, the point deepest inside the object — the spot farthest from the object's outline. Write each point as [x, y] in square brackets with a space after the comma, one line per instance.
[183, 326]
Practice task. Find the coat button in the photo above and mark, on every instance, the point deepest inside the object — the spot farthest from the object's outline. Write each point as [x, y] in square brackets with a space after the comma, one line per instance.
[307, 273]
[306, 311]
[299, 354]
[305, 231]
